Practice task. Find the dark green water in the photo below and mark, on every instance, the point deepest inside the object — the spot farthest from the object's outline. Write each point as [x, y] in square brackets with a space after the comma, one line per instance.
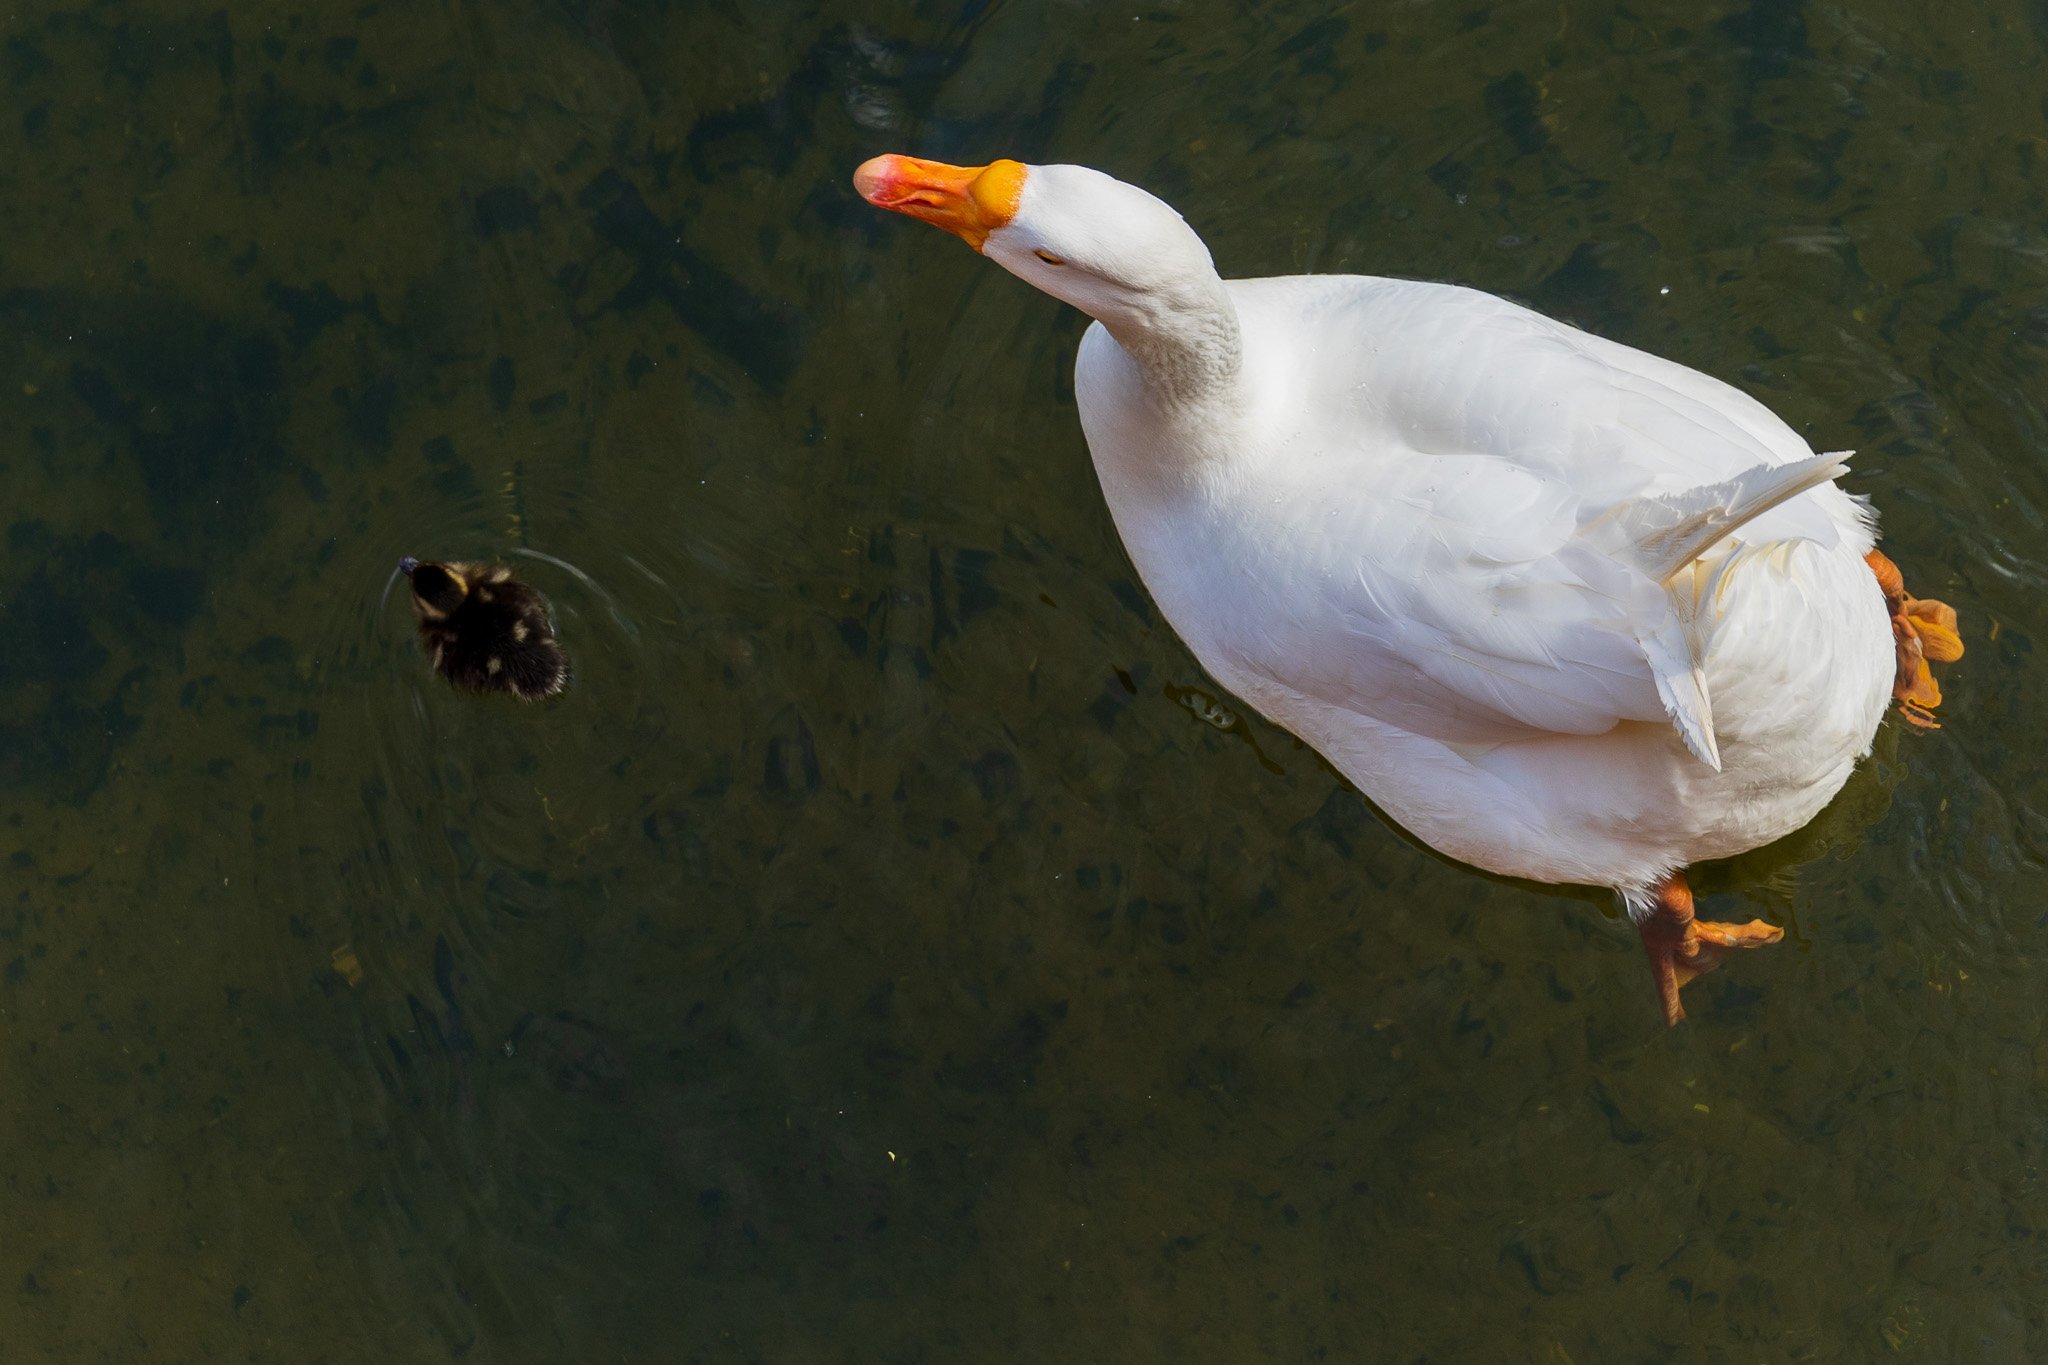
[877, 956]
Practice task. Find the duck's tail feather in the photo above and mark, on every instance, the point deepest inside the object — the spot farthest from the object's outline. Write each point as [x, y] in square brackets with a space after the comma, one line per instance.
[1682, 687]
[1669, 532]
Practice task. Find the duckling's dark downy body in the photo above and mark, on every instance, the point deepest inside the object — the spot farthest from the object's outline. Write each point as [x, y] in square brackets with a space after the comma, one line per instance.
[484, 630]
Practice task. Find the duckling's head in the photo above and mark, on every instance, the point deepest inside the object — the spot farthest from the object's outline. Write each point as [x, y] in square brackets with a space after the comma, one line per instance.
[437, 589]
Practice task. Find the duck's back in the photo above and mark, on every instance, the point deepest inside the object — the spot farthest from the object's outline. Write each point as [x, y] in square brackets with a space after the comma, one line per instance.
[1408, 366]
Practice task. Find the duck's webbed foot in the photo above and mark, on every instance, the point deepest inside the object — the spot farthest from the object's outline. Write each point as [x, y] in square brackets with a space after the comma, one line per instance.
[1924, 632]
[1681, 947]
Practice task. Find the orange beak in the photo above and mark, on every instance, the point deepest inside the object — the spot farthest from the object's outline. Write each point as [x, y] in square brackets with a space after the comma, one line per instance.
[968, 201]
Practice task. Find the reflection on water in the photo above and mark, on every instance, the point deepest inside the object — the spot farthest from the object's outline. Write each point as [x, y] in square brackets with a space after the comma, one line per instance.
[891, 946]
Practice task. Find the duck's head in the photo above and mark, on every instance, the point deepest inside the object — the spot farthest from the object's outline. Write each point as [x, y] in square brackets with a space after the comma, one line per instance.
[437, 589]
[1110, 249]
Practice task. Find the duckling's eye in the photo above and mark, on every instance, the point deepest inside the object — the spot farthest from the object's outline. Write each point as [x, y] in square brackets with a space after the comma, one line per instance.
[1047, 256]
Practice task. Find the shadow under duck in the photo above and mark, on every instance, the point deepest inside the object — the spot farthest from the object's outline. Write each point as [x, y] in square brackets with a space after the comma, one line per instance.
[484, 630]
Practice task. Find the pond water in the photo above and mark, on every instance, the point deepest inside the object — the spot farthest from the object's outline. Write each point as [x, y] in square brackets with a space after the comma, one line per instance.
[892, 948]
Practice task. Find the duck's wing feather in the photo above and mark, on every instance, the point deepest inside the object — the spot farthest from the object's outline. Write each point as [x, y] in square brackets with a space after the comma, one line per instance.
[1454, 603]
[1505, 565]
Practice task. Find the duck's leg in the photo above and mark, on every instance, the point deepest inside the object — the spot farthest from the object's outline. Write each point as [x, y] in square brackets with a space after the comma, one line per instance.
[1681, 947]
[1923, 631]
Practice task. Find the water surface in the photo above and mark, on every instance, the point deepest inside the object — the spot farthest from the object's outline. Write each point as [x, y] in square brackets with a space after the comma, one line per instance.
[882, 953]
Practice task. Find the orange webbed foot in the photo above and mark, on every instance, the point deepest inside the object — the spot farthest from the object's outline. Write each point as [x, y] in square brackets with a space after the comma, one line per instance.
[1682, 948]
[1923, 632]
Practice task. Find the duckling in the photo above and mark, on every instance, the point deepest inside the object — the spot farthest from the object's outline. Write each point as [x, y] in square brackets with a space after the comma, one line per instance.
[485, 630]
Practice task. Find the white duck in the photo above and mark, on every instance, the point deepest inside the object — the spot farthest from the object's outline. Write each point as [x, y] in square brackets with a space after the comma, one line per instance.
[1564, 610]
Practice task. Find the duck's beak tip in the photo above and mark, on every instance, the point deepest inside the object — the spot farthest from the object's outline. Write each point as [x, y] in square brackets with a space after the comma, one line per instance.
[872, 175]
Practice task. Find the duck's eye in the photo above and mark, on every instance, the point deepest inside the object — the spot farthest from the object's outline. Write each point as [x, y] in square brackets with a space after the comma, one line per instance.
[1047, 256]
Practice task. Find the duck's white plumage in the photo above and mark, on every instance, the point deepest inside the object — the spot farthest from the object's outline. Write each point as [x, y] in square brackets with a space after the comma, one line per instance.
[1563, 609]
[1405, 536]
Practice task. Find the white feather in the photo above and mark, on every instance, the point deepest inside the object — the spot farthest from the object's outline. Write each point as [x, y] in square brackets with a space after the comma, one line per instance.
[1668, 532]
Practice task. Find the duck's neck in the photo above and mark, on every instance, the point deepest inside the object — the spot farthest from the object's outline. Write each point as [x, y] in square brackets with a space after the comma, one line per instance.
[1187, 345]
